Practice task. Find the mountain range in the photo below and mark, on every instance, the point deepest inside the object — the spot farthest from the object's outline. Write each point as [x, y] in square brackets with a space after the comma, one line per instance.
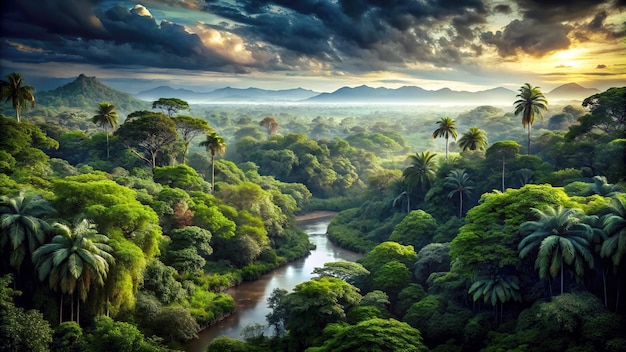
[86, 92]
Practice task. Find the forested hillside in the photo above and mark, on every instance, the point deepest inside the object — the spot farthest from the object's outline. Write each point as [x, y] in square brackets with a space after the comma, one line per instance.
[482, 228]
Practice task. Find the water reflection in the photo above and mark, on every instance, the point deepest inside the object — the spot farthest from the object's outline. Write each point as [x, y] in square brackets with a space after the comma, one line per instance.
[251, 297]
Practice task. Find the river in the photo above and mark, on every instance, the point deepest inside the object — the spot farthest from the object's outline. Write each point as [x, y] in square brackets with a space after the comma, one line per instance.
[251, 297]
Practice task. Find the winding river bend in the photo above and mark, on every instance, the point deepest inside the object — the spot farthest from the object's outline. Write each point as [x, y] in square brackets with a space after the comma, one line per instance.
[251, 297]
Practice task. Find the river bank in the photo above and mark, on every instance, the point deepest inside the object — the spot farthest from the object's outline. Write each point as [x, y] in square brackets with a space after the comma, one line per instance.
[251, 297]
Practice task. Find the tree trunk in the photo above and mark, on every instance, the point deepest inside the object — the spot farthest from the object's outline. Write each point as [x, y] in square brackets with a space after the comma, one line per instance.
[107, 133]
[72, 307]
[212, 173]
[78, 310]
[619, 283]
[529, 127]
[446, 149]
[460, 205]
[61, 310]
[561, 275]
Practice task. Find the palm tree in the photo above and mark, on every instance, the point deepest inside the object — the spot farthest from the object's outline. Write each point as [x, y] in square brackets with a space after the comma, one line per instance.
[530, 102]
[474, 139]
[460, 181]
[614, 247]
[421, 173]
[22, 225]
[562, 240]
[74, 260]
[214, 144]
[496, 288]
[13, 89]
[602, 187]
[447, 128]
[105, 117]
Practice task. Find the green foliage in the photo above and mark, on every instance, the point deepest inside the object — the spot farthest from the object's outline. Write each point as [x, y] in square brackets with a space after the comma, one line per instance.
[391, 278]
[314, 304]
[416, 229]
[371, 335]
[387, 252]
[160, 280]
[145, 136]
[109, 335]
[208, 307]
[175, 324]
[438, 320]
[181, 176]
[227, 344]
[20, 147]
[170, 106]
[412, 293]
[489, 236]
[21, 330]
[348, 271]
[67, 337]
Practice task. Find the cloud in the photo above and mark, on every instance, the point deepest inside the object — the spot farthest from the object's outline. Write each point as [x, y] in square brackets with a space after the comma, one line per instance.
[601, 66]
[562, 66]
[530, 37]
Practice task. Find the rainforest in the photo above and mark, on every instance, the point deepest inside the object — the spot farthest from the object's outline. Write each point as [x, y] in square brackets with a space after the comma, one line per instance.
[481, 228]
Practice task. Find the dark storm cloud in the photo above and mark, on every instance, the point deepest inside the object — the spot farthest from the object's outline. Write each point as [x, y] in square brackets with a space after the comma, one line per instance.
[377, 33]
[601, 66]
[545, 29]
[536, 39]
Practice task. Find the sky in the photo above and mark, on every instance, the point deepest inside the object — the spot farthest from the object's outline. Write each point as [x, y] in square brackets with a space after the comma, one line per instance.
[321, 45]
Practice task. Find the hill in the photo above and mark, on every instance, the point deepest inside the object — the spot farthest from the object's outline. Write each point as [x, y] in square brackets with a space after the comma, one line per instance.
[414, 95]
[571, 91]
[86, 93]
[227, 95]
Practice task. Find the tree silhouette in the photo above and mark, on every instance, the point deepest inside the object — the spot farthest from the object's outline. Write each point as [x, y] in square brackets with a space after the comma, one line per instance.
[13, 89]
[421, 173]
[447, 128]
[271, 124]
[106, 117]
[562, 240]
[460, 181]
[214, 144]
[474, 139]
[530, 102]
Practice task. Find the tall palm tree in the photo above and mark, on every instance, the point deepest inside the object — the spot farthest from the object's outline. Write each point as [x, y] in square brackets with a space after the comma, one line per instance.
[106, 117]
[530, 102]
[22, 225]
[614, 247]
[13, 89]
[74, 260]
[562, 240]
[214, 144]
[421, 173]
[447, 128]
[474, 139]
[460, 183]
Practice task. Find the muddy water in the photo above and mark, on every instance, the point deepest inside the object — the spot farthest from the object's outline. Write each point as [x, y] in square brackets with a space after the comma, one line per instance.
[251, 297]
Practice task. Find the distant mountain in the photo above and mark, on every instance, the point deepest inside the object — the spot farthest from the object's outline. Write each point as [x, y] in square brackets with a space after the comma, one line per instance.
[86, 93]
[228, 95]
[414, 95]
[571, 91]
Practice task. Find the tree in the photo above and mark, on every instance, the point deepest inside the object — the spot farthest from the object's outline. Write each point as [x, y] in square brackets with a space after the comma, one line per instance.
[421, 173]
[417, 229]
[562, 239]
[13, 89]
[148, 134]
[614, 247]
[75, 259]
[372, 335]
[474, 139]
[530, 102]
[461, 184]
[350, 272]
[606, 113]
[504, 149]
[171, 106]
[271, 124]
[447, 128]
[21, 330]
[214, 144]
[494, 288]
[189, 128]
[314, 304]
[22, 226]
[106, 117]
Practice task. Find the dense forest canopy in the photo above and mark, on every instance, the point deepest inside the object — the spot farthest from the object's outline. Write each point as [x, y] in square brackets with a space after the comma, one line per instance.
[122, 228]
